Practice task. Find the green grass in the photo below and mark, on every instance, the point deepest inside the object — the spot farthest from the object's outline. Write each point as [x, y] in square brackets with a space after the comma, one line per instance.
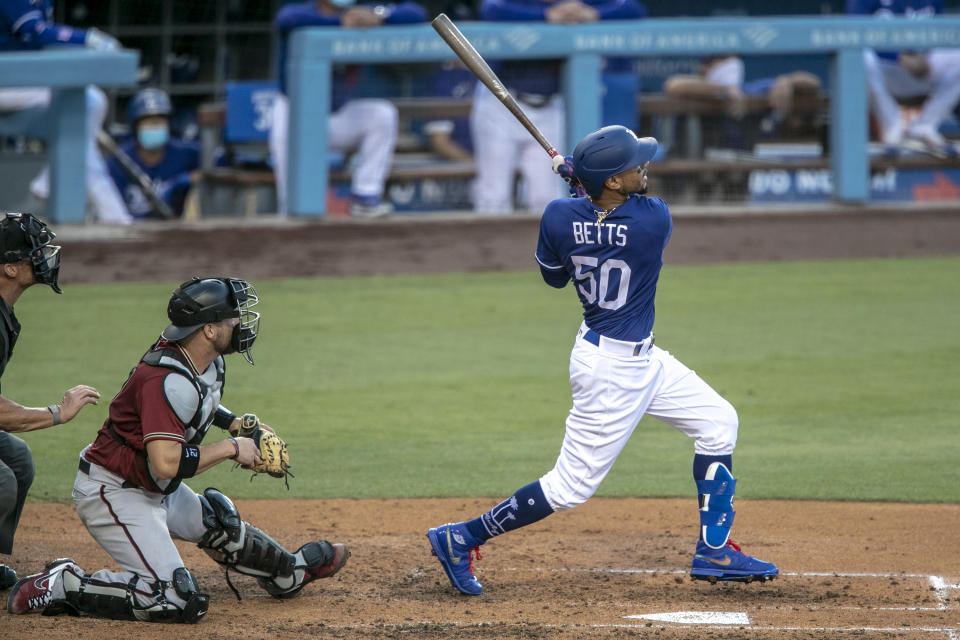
[845, 375]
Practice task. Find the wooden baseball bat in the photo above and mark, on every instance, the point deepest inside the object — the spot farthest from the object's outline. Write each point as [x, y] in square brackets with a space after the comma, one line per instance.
[475, 62]
[133, 170]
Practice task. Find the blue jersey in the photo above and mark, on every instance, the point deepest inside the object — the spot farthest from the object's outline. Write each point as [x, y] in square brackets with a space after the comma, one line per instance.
[29, 25]
[915, 9]
[614, 264]
[170, 178]
[307, 14]
[539, 79]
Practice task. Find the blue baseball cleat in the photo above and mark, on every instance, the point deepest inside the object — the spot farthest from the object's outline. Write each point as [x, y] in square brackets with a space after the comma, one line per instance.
[729, 563]
[453, 545]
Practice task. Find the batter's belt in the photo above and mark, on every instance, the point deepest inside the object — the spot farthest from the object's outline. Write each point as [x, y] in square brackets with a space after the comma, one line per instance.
[617, 347]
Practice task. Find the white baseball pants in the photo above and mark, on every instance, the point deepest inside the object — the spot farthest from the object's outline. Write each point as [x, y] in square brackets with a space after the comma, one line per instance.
[887, 80]
[502, 146]
[367, 126]
[612, 390]
[137, 528]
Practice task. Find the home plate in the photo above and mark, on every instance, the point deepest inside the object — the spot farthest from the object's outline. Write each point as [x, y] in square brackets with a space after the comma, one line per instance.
[696, 617]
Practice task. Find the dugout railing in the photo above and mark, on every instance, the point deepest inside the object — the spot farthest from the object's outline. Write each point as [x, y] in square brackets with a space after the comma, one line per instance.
[67, 71]
[314, 51]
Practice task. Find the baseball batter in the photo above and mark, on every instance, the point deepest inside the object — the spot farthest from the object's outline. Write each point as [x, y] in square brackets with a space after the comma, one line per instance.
[129, 491]
[28, 25]
[906, 74]
[610, 245]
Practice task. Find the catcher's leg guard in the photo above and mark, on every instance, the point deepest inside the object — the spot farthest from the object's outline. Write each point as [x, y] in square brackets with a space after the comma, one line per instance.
[239, 545]
[716, 505]
[314, 560]
[84, 595]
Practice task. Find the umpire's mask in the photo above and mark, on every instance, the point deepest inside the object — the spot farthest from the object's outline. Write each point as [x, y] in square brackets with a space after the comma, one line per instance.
[25, 237]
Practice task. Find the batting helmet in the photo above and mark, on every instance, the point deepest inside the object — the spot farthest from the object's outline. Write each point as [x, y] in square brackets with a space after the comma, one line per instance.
[606, 152]
[25, 237]
[203, 301]
[149, 102]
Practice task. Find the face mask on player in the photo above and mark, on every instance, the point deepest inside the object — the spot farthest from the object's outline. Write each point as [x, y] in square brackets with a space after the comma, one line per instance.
[153, 137]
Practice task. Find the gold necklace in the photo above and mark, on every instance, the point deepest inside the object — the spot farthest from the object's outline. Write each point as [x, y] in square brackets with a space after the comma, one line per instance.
[602, 213]
[186, 355]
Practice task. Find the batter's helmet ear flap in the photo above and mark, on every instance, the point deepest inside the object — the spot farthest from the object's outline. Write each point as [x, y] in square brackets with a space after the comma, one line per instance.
[607, 152]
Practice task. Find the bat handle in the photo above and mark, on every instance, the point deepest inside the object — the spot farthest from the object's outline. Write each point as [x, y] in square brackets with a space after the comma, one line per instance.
[557, 159]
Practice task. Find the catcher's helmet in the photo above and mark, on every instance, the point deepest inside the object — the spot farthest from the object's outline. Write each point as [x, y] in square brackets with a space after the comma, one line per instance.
[203, 301]
[23, 236]
[149, 102]
[606, 152]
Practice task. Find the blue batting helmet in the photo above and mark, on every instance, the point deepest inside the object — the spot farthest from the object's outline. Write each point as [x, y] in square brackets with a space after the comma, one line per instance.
[606, 152]
[149, 102]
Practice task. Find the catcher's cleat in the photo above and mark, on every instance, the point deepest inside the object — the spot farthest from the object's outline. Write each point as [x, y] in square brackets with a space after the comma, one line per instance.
[453, 546]
[316, 560]
[34, 593]
[729, 564]
[8, 577]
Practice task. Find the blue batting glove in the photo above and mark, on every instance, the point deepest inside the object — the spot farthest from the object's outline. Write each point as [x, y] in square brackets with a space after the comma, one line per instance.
[566, 172]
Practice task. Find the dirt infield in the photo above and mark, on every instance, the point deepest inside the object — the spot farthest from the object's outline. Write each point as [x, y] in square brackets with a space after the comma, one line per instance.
[848, 569]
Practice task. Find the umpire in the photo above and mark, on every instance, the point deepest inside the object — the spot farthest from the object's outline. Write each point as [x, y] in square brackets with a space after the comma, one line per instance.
[27, 257]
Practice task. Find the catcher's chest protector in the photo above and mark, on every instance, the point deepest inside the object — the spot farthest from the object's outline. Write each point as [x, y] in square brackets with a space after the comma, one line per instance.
[194, 398]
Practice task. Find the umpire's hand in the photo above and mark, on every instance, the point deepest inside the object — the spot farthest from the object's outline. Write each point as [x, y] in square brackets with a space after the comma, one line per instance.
[75, 399]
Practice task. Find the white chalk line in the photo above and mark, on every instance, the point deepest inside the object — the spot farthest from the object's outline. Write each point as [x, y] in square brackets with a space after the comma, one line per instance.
[937, 583]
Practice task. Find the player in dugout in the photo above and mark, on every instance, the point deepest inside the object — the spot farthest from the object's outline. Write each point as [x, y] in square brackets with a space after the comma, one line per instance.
[27, 25]
[364, 126]
[170, 164]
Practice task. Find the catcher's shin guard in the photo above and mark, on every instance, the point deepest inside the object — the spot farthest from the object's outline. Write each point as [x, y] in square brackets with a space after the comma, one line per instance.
[239, 545]
[716, 505]
[314, 560]
[117, 601]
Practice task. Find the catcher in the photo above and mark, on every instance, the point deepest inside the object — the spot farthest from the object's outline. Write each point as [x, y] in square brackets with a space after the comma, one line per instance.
[129, 490]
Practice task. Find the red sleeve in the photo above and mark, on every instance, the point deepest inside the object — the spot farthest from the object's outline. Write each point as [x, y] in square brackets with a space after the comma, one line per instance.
[157, 418]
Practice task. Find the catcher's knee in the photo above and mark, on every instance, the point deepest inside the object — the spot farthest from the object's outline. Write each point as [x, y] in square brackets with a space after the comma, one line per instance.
[239, 545]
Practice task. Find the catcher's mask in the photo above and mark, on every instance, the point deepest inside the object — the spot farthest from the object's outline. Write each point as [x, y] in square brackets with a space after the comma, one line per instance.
[203, 301]
[24, 237]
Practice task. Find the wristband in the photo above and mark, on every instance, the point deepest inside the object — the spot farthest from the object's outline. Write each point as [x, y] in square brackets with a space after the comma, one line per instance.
[236, 447]
[55, 410]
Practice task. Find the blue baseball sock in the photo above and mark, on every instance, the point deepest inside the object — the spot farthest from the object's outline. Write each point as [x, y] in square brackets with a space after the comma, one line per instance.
[702, 462]
[524, 507]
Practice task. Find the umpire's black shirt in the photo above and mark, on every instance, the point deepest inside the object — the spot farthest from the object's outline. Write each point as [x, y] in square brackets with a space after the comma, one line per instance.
[9, 332]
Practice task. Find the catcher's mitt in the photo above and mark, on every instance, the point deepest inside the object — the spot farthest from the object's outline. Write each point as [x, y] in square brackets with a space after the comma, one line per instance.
[274, 459]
